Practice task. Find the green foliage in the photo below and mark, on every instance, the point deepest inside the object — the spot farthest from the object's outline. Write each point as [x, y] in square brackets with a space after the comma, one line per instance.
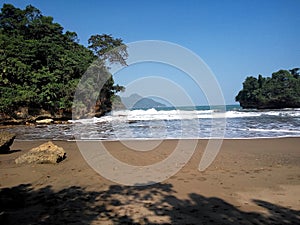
[282, 90]
[108, 48]
[40, 66]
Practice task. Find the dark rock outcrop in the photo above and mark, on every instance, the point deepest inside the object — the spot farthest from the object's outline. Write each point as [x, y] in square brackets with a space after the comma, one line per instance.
[6, 140]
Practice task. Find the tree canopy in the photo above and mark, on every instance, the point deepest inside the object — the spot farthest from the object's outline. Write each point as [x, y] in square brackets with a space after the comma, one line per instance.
[41, 65]
[281, 90]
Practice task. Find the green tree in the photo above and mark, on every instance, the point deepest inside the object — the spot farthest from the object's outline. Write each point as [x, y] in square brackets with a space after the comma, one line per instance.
[282, 90]
[108, 48]
[40, 65]
[249, 94]
[295, 72]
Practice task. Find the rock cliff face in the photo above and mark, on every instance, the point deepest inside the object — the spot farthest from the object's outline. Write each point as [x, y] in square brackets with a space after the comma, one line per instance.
[45, 153]
[26, 115]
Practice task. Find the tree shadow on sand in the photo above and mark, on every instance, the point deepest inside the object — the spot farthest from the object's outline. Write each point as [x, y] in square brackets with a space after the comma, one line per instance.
[155, 204]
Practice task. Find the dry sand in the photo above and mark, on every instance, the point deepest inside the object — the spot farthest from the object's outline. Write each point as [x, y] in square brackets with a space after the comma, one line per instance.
[250, 182]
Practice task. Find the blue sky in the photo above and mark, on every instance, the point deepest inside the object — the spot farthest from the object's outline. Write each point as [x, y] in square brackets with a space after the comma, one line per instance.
[235, 38]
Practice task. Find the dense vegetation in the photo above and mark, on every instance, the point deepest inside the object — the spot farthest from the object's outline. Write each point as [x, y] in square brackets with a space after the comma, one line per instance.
[41, 65]
[282, 90]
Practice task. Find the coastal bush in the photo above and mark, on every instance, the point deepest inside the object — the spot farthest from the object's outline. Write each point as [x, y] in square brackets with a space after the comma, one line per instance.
[281, 90]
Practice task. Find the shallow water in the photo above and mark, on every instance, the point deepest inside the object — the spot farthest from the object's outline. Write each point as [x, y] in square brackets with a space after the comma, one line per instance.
[171, 123]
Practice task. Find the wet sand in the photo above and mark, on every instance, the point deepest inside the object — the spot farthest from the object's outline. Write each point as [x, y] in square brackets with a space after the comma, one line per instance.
[250, 182]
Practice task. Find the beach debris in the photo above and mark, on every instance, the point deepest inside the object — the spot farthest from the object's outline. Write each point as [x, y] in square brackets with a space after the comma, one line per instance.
[45, 153]
[6, 140]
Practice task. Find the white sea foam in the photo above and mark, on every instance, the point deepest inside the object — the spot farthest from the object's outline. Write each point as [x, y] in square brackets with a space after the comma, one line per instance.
[153, 114]
[275, 130]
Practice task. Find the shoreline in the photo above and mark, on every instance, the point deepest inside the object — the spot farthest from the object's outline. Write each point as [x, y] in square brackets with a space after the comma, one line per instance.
[250, 182]
[157, 139]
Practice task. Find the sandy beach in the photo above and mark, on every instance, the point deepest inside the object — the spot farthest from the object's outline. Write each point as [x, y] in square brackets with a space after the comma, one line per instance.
[255, 181]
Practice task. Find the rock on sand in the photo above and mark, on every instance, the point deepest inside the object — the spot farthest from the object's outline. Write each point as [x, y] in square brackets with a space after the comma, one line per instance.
[45, 153]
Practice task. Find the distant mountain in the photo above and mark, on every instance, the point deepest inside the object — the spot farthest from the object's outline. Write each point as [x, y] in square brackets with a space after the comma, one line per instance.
[135, 101]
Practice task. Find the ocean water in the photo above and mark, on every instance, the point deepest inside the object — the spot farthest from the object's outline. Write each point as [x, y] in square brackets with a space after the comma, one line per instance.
[171, 123]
